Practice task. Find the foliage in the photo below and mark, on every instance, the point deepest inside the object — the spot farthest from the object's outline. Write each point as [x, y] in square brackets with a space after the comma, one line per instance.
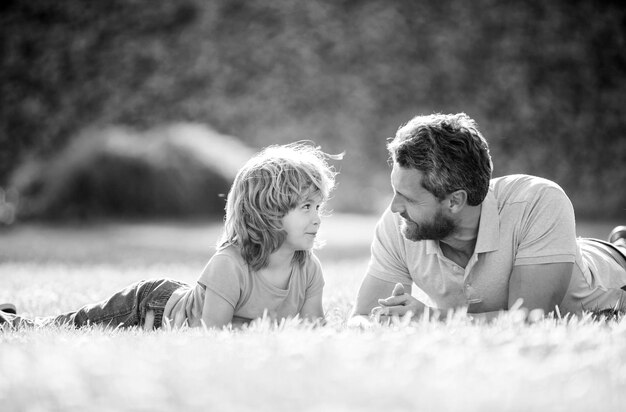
[545, 80]
[179, 170]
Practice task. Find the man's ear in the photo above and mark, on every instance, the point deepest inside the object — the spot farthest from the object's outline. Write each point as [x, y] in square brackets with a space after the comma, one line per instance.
[457, 201]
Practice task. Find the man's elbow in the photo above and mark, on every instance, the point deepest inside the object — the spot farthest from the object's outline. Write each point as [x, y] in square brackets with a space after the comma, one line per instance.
[361, 310]
[358, 320]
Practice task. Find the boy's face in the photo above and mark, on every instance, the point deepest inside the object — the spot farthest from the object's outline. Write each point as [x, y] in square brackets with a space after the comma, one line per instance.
[302, 224]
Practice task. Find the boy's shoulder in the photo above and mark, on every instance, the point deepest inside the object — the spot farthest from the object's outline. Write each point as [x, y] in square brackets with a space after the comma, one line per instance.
[312, 265]
[228, 250]
[313, 260]
[225, 266]
[231, 253]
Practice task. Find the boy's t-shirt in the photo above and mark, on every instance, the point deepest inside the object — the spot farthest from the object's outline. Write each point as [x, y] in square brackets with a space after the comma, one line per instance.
[250, 295]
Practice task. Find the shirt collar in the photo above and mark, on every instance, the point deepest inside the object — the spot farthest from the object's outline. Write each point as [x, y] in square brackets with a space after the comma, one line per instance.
[432, 246]
[489, 226]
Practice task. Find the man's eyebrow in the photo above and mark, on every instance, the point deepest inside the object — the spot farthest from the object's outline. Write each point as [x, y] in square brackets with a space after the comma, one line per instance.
[403, 195]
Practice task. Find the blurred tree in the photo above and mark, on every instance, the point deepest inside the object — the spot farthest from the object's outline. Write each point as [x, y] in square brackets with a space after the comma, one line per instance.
[545, 80]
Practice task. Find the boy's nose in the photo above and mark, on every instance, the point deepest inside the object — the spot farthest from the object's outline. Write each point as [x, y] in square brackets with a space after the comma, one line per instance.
[317, 220]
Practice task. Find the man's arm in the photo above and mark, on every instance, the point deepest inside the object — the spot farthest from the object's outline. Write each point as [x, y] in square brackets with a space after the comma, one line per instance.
[537, 289]
[372, 289]
[399, 303]
[540, 286]
[541, 271]
[387, 261]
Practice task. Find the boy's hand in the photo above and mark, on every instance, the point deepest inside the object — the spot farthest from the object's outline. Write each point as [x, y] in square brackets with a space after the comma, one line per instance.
[398, 304]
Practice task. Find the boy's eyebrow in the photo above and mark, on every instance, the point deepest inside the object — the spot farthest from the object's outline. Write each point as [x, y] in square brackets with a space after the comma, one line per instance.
[312, 199]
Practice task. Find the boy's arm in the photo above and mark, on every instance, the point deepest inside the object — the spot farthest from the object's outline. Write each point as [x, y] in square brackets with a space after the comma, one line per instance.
[221, 280]
[312, 308]
[216, 312]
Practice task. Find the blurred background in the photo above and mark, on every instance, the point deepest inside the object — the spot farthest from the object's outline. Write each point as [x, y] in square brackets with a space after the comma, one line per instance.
[146, 108]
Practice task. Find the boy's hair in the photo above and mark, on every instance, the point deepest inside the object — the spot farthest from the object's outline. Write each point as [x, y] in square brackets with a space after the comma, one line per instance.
[449, 150]
[269, 185]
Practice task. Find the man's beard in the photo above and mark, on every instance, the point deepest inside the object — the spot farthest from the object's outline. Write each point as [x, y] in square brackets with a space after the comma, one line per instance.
[438, 228]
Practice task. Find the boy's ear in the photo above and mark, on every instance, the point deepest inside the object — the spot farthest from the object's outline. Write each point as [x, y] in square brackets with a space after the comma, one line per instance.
[457, 201]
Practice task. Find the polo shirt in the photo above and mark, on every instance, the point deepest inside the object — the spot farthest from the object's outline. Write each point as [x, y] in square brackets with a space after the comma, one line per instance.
[524, 220]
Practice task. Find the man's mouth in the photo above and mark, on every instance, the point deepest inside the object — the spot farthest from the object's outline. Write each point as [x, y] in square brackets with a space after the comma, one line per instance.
[406, 218]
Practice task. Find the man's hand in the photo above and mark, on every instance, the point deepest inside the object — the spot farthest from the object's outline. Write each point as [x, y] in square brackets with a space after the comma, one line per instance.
[398, 304]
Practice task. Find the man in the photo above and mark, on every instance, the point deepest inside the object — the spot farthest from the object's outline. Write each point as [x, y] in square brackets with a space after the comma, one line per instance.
[467, 240]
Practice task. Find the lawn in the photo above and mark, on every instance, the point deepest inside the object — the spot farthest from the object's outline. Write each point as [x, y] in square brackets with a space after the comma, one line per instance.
[557, 365]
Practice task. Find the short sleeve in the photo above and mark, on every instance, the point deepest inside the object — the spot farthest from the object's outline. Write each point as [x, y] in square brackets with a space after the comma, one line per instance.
[223, 275]
[548, 234]
[315, 278]
[388, 255]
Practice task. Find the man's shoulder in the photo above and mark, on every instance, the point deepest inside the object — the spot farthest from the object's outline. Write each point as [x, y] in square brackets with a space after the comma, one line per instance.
[523, 188]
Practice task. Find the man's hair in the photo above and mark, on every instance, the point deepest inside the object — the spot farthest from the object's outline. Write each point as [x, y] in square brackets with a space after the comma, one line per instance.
[269, 185]
[449, 150]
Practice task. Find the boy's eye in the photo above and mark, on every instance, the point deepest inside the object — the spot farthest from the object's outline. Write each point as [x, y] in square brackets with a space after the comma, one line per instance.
[309, 206]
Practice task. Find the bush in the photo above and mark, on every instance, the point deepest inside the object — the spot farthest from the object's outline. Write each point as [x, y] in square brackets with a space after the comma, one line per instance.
[545, 80]
[179, 170]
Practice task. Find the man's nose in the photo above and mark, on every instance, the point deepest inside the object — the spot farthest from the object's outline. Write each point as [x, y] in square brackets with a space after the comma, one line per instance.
[396, 205]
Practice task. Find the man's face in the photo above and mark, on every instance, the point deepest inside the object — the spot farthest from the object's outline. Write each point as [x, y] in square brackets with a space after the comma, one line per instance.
[422, 213]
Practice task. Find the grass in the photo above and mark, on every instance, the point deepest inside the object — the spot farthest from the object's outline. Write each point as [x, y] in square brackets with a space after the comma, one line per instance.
[507, 365]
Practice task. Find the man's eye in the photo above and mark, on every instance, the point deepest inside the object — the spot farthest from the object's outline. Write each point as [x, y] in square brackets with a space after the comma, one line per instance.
[306, 206]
